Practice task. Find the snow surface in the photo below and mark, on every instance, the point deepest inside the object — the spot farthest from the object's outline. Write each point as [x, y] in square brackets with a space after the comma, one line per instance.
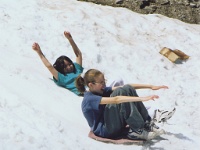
[35, 114]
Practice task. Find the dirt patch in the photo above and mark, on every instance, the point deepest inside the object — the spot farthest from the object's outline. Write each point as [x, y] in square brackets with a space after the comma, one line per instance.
[185, 10]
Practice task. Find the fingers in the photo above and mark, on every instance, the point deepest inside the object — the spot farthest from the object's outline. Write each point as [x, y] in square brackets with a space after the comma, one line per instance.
[156, 96]
[67, 34]
[35, 46]
[165, 87]
[153, 97]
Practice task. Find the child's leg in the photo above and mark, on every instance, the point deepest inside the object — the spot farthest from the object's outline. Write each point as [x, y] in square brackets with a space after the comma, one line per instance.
[130, 91]
[117, 116]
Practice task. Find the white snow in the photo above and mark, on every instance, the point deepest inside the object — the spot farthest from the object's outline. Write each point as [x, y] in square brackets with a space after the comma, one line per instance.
[35, 114]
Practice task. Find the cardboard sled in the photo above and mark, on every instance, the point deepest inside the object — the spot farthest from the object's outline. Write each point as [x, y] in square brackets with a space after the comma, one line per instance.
[173, 55]
[122, 140]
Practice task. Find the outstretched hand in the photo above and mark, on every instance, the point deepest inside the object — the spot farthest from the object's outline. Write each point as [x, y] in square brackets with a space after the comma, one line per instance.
[152, 97]
[36, 47]
[67, 34]
[159, 87]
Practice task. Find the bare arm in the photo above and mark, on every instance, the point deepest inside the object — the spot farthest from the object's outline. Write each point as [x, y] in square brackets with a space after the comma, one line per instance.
[53, 71]
[77, 51]
[145, 86]
[123, 99]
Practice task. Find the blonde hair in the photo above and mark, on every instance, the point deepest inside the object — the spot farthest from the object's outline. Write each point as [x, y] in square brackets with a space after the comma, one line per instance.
[89, 77]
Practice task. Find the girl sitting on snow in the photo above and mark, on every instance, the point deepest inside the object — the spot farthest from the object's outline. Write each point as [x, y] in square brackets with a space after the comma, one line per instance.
[110, 111]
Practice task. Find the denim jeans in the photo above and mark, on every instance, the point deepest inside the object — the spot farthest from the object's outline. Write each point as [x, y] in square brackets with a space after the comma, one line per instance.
[118, 116]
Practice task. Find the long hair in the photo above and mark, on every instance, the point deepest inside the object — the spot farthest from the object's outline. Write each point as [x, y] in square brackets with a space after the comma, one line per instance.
[89, 77]
[59, 64]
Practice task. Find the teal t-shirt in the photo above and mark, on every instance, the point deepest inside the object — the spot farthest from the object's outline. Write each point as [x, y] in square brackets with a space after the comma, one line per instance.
[68, 81]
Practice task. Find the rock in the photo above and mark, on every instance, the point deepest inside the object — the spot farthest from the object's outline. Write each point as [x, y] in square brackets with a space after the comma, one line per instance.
[119, 1]
[185, 10]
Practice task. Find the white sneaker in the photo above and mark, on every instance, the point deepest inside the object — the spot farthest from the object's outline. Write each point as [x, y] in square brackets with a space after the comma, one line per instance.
[141, 134]
[157, 130]
[163, 115]
[152, 127]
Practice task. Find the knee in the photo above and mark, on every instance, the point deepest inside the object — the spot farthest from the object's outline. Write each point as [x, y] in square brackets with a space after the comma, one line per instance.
[130, 90]
[127, 86]
[118, 91]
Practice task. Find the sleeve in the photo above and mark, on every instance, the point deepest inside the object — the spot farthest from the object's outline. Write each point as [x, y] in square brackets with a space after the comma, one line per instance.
[95, 101]
[107, 92]
[78, 67]
[60, 80]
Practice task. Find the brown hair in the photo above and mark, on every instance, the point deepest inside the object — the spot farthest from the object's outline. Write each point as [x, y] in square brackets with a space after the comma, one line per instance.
[89, 77]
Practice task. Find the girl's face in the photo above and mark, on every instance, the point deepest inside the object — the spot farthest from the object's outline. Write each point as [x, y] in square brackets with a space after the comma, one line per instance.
[99, 85]
[68, 67]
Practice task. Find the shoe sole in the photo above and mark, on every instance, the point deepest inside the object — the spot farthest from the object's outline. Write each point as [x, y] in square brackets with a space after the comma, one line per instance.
[164, 116]
[169, 115]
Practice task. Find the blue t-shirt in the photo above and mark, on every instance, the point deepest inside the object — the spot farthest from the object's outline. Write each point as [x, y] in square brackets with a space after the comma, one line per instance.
[94, 112]
[68, 81]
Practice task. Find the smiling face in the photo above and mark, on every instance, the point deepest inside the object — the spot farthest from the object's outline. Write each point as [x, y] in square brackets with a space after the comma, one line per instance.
[68, 67]
[64, 65]
[98, 85]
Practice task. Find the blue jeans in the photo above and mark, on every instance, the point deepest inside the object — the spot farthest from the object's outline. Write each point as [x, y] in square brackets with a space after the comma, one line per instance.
[118, 116]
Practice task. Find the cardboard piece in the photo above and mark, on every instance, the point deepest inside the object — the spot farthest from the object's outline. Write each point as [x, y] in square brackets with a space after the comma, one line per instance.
[182, 55]
[115, 141]
[173, 55]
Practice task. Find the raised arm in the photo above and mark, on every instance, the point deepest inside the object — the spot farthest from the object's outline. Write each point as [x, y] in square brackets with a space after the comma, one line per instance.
[123, 99]
[53, 71]
[77, 51]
